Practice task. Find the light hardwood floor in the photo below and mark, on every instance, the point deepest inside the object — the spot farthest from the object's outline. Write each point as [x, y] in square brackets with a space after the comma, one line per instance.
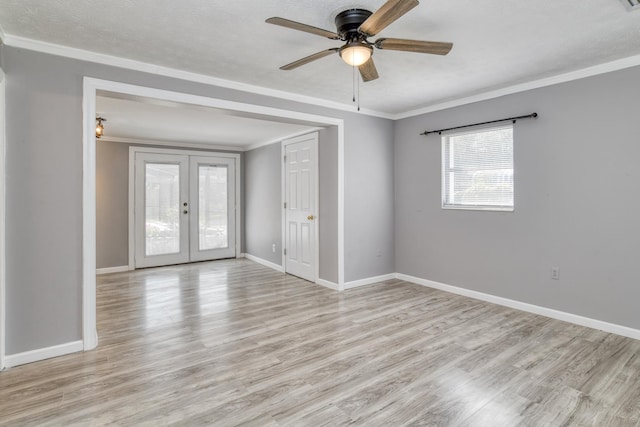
[231, 342]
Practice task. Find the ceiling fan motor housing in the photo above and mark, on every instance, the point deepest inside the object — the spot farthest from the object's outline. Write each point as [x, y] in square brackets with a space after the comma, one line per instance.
[349, 21]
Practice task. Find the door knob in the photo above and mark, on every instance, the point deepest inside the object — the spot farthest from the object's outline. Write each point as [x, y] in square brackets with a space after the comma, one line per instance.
[310, 217]
[185, 211]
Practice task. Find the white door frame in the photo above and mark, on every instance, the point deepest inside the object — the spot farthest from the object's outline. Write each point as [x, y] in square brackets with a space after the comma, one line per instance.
[90, 88]
[3, 234]
[132, 154]
[283, 147]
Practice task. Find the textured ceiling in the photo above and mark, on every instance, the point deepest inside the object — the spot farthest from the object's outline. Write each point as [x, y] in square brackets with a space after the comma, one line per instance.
[497, 43]
[153, 120]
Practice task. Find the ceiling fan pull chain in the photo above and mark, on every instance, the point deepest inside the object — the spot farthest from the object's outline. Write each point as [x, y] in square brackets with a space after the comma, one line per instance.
[353, 83]
[358, 92]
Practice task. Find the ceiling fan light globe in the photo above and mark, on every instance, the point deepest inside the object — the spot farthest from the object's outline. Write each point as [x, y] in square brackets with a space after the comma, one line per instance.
[356, 55]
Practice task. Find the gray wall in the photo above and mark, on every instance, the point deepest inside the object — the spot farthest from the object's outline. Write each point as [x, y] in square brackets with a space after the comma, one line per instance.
[328, 198]
[577, 183]
[262, 209]
[44, 188]
[369, 199]
[112, 204]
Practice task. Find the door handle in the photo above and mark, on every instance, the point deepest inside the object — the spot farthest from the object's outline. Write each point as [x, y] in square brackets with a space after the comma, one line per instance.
[185, 211]
[310, 217]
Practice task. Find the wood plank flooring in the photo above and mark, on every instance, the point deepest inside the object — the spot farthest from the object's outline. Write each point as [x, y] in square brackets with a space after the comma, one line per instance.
[234, 343]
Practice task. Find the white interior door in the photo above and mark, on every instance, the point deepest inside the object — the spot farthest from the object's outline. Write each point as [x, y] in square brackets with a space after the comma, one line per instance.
[301, 180]
[213, 212]
[161, 209]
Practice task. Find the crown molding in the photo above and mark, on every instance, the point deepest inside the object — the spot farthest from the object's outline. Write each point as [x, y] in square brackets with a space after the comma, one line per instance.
[274, 141]
[130, 64]
[607, 67]
[115, 61]
[198, 145]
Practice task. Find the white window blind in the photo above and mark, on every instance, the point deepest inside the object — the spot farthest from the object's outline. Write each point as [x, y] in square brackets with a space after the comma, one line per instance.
[477, 169]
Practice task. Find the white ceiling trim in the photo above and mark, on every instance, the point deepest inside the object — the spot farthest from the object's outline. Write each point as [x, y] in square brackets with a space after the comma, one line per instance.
[140, 141]
[85, 55]
[608, 67]
[115, 61]
[273, 141]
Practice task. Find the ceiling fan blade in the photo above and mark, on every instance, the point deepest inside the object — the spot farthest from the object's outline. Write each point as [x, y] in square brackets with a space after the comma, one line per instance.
[368, 71]
[302, 27]
[309, 58]
[436, 48]
[388, 12]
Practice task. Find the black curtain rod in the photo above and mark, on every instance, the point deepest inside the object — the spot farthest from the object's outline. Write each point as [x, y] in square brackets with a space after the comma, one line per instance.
[510, 119]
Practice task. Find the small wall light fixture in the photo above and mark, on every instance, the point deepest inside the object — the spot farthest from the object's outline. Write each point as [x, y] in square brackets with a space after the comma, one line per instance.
[100, 126]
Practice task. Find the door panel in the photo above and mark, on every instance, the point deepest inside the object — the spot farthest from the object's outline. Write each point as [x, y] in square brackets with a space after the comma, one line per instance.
[162, 209]
[161, 222]
[213, 227]
[301, 170]
[213, 207]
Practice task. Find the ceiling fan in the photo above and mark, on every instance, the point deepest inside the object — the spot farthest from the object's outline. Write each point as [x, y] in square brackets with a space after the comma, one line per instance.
[355, 26]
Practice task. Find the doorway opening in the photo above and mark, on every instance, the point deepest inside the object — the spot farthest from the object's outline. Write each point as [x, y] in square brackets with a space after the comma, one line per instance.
[91, 89]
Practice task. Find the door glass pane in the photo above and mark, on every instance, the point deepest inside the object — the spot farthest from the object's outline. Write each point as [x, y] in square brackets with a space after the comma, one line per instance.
[162, 209]
[212, 207]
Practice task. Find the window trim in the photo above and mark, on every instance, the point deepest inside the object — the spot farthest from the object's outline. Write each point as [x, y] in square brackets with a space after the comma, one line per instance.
[486, 208]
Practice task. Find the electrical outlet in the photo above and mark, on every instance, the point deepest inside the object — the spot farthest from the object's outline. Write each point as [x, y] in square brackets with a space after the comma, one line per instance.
[273, 248]
[555, 273]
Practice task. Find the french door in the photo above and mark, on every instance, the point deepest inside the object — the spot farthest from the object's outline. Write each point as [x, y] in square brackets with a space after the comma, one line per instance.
[184, 208]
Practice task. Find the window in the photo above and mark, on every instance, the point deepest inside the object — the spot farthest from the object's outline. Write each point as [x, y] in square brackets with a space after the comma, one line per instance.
[477, 169]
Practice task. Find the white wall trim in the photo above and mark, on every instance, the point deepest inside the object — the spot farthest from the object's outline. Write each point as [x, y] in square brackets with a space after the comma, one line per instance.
[608, 67]
[328, 284]
[43, 353]
[3, 306]
[130, 64]
[201, 146]
[89, 329]
[131, 218]
[264, 262]
[341, 209]
[530, 308]
[369, 281]
[279, 268]
[109, 270]
[90, 88]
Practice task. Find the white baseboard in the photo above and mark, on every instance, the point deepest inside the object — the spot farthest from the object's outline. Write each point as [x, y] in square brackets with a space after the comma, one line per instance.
[109, 270]
[43, 353]
[264, 262]
[369, 281]
[535, 309]
[328, 284]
